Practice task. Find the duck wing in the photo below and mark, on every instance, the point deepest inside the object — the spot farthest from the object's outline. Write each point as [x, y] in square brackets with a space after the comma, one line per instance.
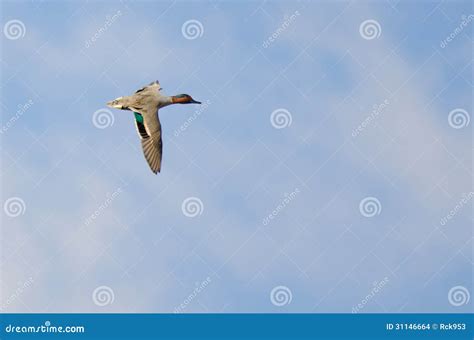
[149, 130]
[153, 84]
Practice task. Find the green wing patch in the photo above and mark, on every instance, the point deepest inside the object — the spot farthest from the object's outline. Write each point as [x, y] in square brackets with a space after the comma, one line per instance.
[140, 126]
[138, 117]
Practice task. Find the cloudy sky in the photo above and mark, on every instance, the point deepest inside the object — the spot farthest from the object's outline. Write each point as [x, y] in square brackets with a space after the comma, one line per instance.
[330, 169]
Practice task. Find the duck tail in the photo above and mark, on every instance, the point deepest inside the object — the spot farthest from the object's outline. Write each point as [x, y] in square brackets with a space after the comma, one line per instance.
[120, 103]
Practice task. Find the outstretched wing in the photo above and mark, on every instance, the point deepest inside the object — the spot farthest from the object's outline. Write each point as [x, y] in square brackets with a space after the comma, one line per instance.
[149, 130]
[155, 83]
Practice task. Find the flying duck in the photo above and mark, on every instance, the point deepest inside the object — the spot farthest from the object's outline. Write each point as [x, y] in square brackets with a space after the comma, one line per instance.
[145, 104]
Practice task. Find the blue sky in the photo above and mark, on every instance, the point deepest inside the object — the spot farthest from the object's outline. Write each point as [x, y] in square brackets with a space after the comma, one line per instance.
[322, 76]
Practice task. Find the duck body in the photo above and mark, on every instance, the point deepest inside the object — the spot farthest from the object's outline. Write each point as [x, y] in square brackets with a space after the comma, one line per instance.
[145, 104]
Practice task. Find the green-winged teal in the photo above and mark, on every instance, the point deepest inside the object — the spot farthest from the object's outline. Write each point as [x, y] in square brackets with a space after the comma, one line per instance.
[145, 104]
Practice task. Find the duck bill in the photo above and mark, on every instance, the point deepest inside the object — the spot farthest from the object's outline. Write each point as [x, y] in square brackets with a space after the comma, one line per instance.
[116, 104]
[195, 102]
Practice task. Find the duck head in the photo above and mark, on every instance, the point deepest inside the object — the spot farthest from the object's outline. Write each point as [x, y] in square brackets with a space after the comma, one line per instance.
[184, 99]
